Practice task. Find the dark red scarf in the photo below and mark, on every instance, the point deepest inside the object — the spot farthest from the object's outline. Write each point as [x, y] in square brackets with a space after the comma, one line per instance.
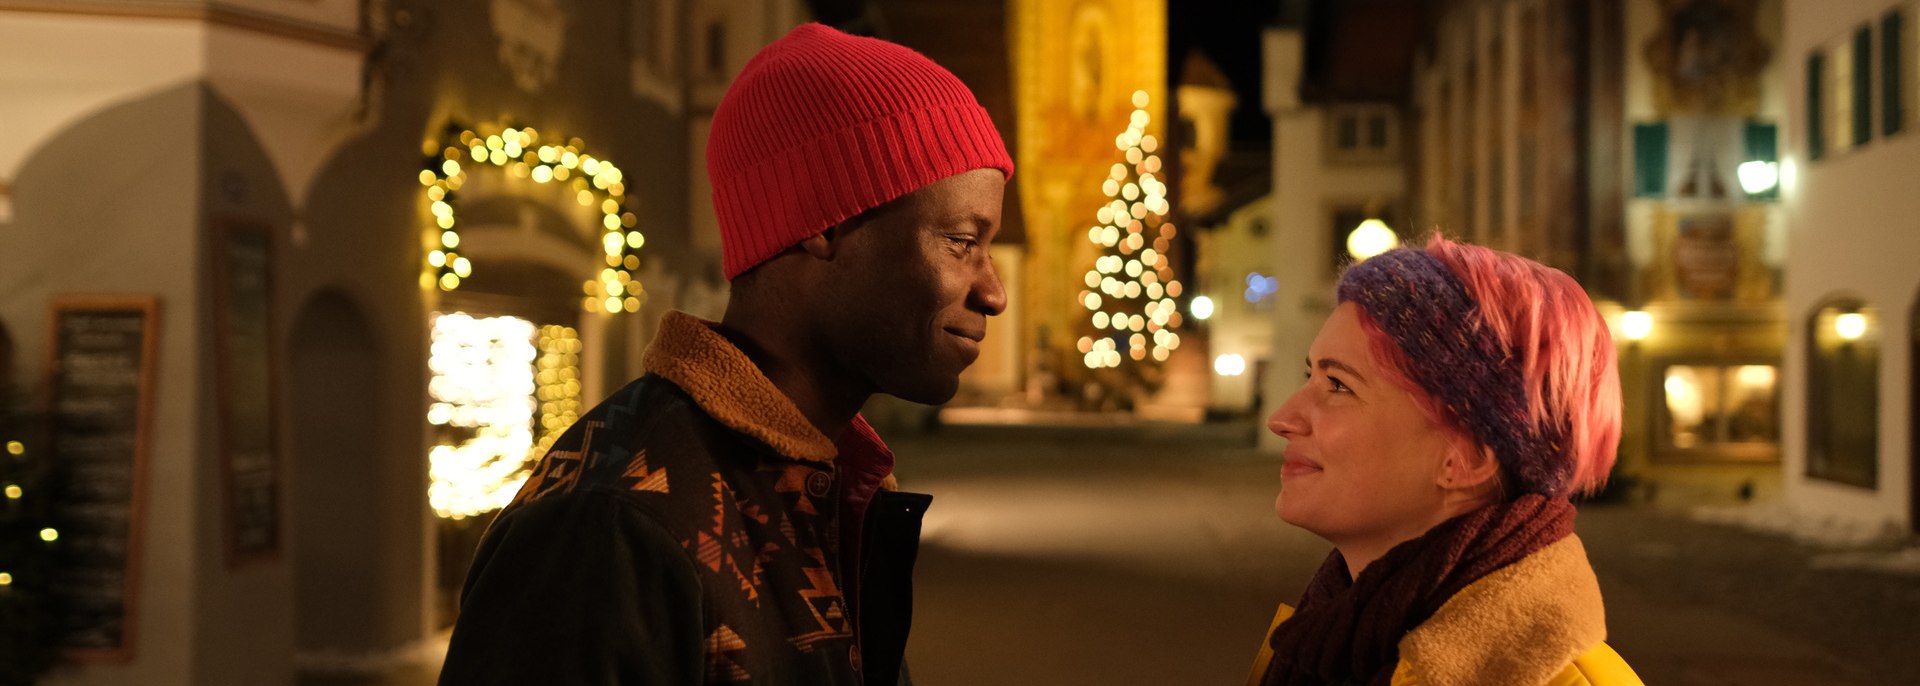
[1348, 631]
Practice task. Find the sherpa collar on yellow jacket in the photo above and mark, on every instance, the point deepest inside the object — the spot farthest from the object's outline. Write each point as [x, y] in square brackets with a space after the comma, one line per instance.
[1523, 624]
[725, 383]
[1518, 625]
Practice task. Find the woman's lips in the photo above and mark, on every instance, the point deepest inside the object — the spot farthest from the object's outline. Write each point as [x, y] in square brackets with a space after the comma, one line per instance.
[1294, 466]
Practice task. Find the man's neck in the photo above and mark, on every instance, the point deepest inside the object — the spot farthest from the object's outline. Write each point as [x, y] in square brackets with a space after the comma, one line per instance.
[824, 397]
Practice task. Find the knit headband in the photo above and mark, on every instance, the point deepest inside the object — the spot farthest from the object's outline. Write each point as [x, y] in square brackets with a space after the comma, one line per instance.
[1451, 355]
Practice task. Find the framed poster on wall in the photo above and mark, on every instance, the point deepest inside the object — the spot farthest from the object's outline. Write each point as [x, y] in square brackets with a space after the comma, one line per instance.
[101, 382]
[243, 325]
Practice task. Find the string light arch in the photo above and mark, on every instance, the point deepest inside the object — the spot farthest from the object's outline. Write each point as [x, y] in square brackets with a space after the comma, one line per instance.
[520, 152]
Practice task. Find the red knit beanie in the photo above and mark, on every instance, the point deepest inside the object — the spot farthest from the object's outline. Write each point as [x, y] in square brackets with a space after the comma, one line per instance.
[822, 125]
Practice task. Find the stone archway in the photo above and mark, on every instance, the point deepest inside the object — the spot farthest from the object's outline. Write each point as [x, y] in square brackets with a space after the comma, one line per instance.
[335, 489]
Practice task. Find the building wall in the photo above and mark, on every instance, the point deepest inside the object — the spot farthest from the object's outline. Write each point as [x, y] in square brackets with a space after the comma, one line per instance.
[143, 129]
[1075, 67]
[1230, 253]
[1306, 189]
[1853, 232]
[1520, 148]
[137, 233]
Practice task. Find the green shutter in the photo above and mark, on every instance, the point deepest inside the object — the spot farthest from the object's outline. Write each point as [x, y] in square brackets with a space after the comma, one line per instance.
[1650, 160]
[1863, 85]
[1893, 115]
[1816, 108]
[1762, 142]
[1762, 145]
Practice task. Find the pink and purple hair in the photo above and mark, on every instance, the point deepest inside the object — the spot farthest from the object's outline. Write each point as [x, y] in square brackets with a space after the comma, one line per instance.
[1508, 354]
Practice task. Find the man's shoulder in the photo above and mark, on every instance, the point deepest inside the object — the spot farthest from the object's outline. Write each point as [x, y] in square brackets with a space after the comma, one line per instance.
[649, 440]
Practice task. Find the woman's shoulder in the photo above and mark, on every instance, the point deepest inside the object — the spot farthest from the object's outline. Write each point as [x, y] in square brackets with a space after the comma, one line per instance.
[1599, 666]
[1520, 624]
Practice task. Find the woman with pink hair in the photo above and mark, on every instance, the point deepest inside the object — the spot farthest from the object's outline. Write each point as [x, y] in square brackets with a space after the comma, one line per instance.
[1454, 402]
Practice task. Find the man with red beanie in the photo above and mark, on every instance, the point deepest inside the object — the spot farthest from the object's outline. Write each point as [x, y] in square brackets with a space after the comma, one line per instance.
[729, 518]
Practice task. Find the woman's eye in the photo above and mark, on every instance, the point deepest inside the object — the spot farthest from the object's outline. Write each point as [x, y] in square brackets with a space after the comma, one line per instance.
[1337, 385]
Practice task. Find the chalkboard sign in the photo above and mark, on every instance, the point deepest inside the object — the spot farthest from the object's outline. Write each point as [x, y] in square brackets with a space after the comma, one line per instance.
[242, 310]
[102, 371]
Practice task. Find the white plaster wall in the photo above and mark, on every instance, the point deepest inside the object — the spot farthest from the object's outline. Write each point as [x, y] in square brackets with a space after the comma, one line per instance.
[1237, 327]
[140, 238]
[295, 94]
[298, 97]
[1853, 227]
[1304, 185]
[339, 15]
[72, 65]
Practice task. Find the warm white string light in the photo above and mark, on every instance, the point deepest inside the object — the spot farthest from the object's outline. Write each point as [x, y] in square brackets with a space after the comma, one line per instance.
[483, 383]
[596, 183]
[1131, 290]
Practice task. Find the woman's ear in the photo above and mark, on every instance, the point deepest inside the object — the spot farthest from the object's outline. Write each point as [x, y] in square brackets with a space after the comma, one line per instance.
[1471, 470]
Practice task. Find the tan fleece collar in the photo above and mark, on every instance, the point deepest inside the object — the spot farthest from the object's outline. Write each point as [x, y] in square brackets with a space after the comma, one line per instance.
[726, 384]
[1520, 625]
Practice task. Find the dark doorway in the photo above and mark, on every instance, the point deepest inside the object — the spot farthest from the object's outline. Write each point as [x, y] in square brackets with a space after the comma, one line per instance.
[6, 366]
[337, 509]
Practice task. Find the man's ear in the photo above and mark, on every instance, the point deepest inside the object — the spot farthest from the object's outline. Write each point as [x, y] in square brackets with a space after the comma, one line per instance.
[1469, 470]
[820, 245]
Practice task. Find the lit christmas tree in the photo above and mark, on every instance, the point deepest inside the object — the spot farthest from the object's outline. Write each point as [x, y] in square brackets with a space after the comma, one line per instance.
[28, 611]
[1131, 289]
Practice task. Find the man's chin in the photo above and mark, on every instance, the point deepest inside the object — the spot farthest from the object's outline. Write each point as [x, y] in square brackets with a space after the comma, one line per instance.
[928, 391]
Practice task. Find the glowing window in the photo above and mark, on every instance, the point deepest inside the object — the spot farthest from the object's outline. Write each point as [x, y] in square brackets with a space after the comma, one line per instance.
[1843, 389]
[1728, 411]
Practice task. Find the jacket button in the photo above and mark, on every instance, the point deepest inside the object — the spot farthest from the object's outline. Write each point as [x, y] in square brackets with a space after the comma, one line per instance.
[819, 484]
[853, 655]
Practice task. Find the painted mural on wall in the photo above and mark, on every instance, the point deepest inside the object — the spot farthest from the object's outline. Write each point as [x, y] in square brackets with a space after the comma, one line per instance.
[1707, 61]
[1076, 64]
[532, 35]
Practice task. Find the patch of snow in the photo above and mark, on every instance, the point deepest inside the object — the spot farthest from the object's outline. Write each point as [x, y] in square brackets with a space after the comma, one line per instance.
[1825, 532]
[1905, 561]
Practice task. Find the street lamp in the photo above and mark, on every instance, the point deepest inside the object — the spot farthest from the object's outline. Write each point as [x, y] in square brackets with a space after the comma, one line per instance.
[1202, 308]
[1636, 325]
[1757, 177]
[1371, 238]
[1850, 326]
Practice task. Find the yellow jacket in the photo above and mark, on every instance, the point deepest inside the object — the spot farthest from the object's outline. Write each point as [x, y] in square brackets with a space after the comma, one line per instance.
[1537, 622]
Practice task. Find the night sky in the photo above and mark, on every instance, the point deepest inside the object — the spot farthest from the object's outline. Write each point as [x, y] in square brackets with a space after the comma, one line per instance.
[1228, 32]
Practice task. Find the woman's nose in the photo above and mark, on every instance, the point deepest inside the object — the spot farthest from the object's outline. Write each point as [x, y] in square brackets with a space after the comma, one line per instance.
[1287, 421]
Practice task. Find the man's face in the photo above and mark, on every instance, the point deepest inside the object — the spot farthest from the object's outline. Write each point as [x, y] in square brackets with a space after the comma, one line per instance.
[904, 302]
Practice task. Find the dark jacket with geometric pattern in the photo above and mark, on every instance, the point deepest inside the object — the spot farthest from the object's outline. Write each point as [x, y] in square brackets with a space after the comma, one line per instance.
[694, 528]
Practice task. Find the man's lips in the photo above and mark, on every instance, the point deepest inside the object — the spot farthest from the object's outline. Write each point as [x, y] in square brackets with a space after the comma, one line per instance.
[975, 335]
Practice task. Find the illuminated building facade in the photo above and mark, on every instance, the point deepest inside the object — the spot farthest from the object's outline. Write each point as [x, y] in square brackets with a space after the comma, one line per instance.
[1635, 145]
[390, 250]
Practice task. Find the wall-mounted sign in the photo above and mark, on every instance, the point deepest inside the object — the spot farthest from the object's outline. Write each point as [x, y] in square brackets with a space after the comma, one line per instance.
[243, 293]
[101, 380]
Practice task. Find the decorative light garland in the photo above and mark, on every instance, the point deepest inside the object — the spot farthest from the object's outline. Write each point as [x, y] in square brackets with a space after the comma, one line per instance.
[596, 183]
[556, 378]
[1131, 289]
[483, 383]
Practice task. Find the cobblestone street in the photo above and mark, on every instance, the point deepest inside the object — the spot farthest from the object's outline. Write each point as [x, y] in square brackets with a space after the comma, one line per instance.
[1152, 556]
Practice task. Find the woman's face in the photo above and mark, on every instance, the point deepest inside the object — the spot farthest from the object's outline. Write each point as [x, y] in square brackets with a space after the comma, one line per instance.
[1363, 463]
